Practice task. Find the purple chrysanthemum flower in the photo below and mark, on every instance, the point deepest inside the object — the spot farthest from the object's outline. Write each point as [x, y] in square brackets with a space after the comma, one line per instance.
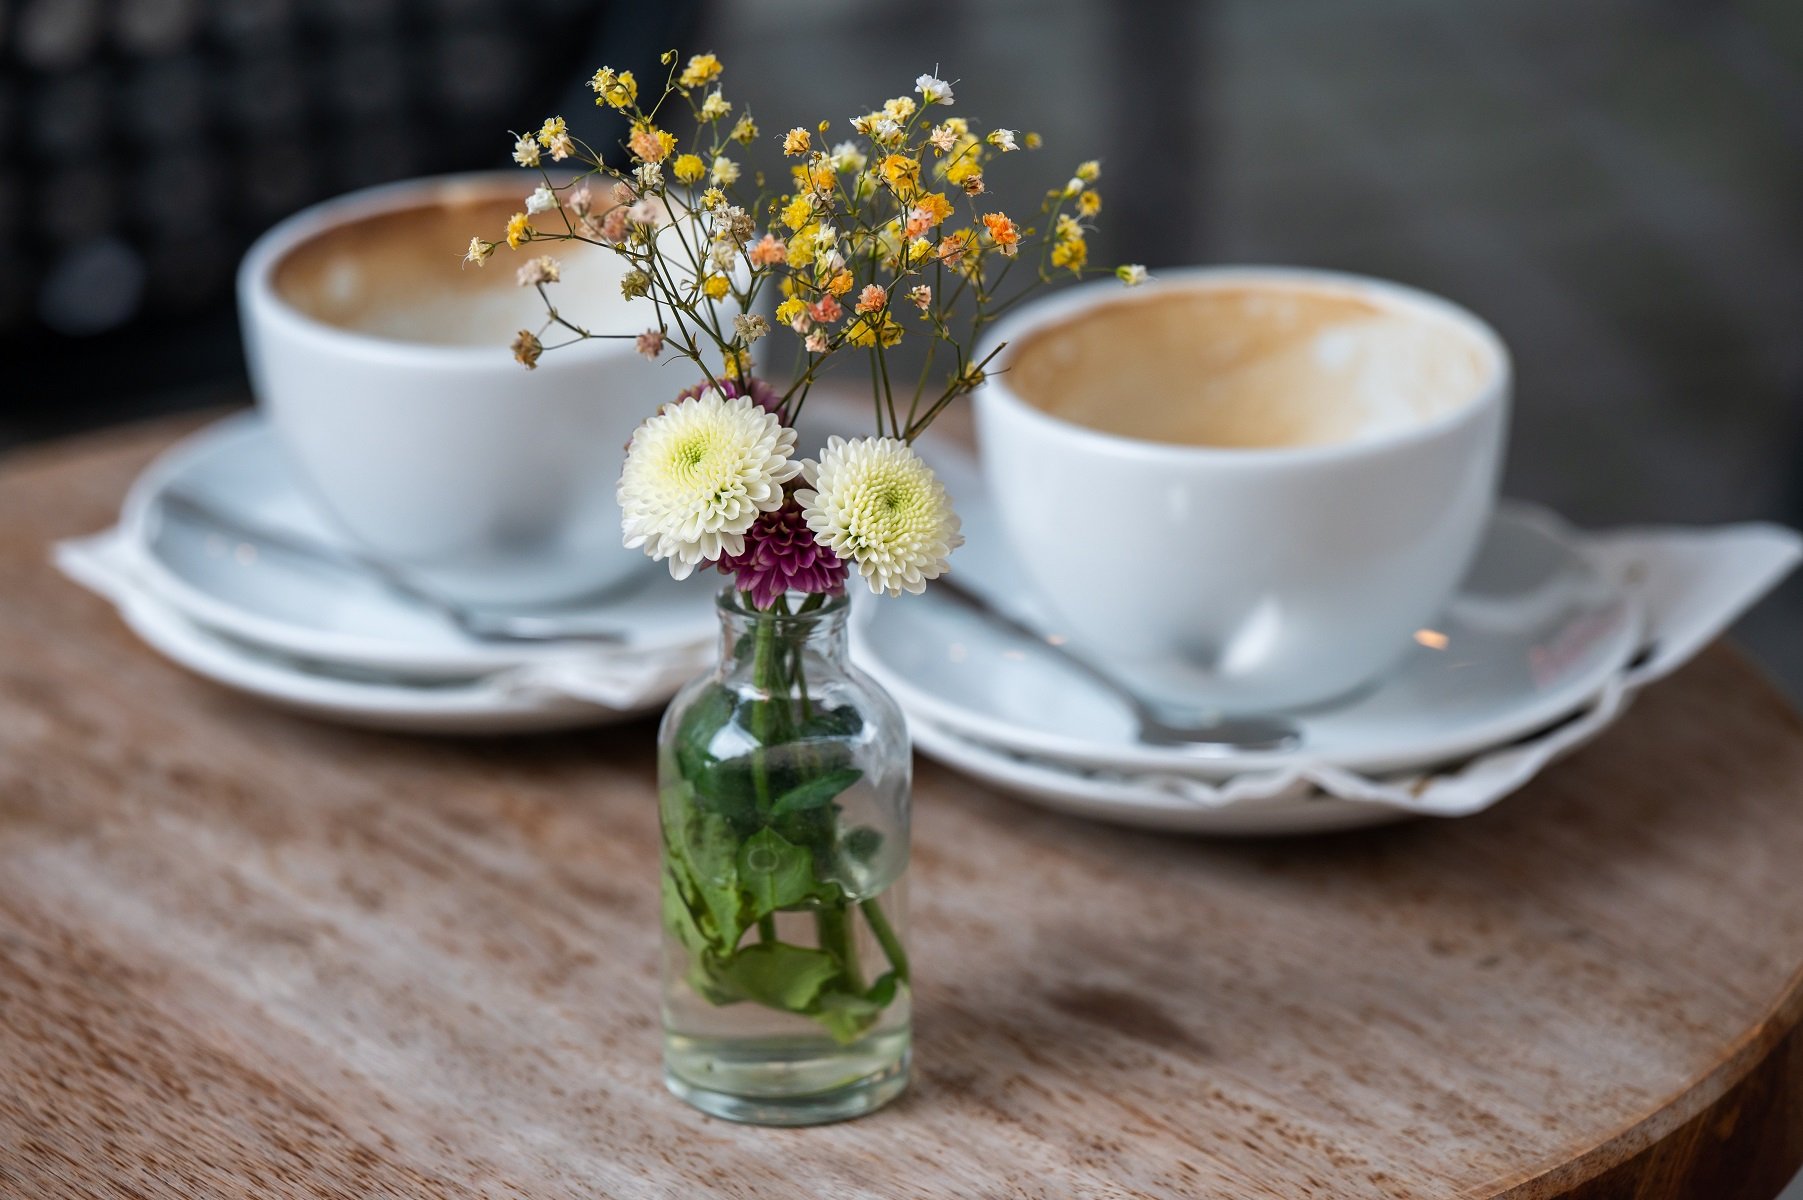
[782, 556]
[761, 393]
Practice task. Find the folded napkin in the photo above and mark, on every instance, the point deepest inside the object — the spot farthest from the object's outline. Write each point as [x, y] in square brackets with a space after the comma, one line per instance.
[1690, 584]
[615, 677]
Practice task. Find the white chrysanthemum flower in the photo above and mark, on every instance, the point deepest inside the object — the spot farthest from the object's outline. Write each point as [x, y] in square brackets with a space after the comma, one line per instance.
[875, 503]
[698, 474]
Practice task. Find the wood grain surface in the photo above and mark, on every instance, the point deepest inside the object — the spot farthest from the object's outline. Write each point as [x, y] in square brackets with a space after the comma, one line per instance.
[247, 955]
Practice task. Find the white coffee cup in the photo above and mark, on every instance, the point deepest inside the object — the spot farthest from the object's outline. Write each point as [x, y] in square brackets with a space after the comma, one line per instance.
[1290, 566]
[382, 363]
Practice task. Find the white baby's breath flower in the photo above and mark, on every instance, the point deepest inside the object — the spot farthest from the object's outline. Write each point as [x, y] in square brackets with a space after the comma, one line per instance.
[750, 326]
[699, 474]
[534, 271]
[715, 106]
[479, 251]
[932, 90]
[725, 172]
[649, 176]
[872, 501]
[1131, 274]
[525, 152]
[847, 157]
[647, 211]
[1002, 139]
[543, 199]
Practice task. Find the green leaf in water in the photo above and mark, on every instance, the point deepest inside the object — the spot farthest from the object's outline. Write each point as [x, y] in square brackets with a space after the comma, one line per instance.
[779, 975]
[815, 792]
[774, 872]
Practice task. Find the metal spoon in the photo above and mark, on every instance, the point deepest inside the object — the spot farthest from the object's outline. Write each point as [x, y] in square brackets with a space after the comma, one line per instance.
[1214, 736]
[483, 626]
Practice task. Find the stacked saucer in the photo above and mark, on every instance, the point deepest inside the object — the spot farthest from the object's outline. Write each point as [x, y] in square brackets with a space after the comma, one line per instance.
[1537, 652]
[220, 563]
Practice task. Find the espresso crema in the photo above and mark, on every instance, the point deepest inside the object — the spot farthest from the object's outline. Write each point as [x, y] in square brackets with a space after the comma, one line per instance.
[400, 275]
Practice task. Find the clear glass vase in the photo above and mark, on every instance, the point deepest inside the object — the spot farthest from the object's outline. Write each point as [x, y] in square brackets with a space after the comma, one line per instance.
[783, 784]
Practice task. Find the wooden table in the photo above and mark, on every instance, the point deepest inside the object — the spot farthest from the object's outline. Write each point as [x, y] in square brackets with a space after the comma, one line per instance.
[242, 954]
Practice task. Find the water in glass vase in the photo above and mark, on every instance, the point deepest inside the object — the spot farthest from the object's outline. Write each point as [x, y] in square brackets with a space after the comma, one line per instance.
[783, 784]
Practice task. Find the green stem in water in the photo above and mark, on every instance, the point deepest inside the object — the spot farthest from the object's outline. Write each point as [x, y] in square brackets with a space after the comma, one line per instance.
[834, 930]
[885, 936]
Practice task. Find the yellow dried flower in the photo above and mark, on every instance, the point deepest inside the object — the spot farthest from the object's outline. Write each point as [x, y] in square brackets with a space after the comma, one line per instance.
[551, 130]
[702, 68]
[789, 309]
[715, 106]
[901, 173]
[688, 168]
[746, 131]
[960, 170]
[1089, 171]
[1032, 141]
[712, 198]
[796, 141]
[936, 207]
[526, 349]
[479, 251]
[839, 284]
[716, 287]
[615, 89]
[874, 328]
[517, 230]
[1072, 253]
[900, 108]
[798, 212]
[1089, 203]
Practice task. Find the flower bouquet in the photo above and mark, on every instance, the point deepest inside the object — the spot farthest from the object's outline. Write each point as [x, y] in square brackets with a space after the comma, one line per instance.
[784, 774]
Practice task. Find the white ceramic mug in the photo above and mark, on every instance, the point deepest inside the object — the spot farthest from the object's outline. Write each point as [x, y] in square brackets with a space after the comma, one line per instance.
[1232, 580]
[487, 482]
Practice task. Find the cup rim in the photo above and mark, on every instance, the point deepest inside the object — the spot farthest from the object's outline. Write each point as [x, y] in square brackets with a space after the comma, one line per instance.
[1074, 301]
[260, 302]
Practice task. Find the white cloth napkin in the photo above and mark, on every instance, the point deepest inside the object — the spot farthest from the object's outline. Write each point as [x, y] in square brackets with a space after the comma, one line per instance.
[1691, 584]
[614, 677]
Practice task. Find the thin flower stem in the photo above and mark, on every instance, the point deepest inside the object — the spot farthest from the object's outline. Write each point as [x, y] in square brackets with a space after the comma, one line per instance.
[885, 937]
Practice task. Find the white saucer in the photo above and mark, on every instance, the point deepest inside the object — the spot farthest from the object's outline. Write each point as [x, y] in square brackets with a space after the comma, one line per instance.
[1534, 635]
[1298, 807]
[581, 688]
[263, 598]
[487, 705]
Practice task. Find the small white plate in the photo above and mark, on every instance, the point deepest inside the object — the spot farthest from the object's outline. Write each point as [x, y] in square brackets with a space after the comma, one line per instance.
[1533, 635]
[480, 706]
[263, 598]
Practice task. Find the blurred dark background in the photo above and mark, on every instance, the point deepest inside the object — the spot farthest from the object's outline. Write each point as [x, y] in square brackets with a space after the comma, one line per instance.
[1616, 184]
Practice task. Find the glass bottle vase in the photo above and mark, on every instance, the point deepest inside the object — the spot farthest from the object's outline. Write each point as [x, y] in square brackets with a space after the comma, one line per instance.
[783, 785]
